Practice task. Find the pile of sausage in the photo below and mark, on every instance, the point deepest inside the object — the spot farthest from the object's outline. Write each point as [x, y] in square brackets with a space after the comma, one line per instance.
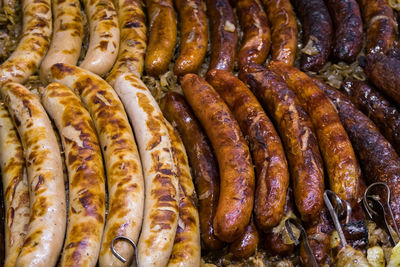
[95, 170]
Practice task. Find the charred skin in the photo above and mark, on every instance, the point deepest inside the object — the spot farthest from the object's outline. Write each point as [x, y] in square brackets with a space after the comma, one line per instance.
[247, 244]
[236, 169]
[194, 36]
[202, 161]
[296, 131]
[224, 35]
[317, 33]
[162, 36]
[348, 38]
[272, 173]
[284, 30]
[256, 40]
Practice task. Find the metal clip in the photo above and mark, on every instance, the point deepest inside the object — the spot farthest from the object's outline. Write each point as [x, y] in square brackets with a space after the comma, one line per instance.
[116, 254]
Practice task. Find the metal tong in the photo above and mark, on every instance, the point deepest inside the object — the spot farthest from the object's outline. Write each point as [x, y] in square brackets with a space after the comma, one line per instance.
[116, 254]
[376, 210]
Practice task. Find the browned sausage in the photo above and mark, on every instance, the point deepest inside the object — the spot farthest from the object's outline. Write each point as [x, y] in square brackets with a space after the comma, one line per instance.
[284, 30]
[317, 33]
[348, 39]
[247, 244]
[295, 128]
[256, 33]
[337, 152]
[268, 155]
[202, 161]
[236, 169]
[224, 34]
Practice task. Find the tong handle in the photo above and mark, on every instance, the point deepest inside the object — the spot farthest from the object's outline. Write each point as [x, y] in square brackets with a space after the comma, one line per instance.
[116, 254]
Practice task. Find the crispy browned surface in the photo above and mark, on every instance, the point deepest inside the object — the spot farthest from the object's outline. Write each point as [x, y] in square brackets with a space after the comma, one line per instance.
[224, 34]
[348, 37]
[247, 244]
[2, 239]
[284, 30]
[337, 152]
[272, 174]
[194, 36]
[236, 169]
[256, 32]
[202, 161]
[295, 128]
[380, 24]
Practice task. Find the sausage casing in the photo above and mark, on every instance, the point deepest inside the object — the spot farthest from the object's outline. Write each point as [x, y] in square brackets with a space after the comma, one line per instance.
[247, 244]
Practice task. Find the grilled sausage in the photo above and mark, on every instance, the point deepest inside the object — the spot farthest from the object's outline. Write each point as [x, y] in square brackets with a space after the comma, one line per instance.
[247, 244]
[202, 161]
[45, 234]
[162, 36]
[348, 38]
[337, 152]
[284, 30]
[104, 36]
[132, 47]
[224, 34]
[380, 25]
[384, 114]
[34, 42]
[295, 128]
[317, 33]
[194, 36]
[65, 45]
[87, 196]
[236, 196]
[186, 249]
[15, 188]
[161, 181]
[256, 32]
[272, 174]
[122, 162]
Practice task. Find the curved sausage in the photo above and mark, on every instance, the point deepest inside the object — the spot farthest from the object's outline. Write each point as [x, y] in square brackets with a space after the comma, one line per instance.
[247, 244]
[337, 152]
[87, 196]
[236, 169]
[317, 33]
[348, 38]
[256, 32]
[380, 24]
[66, 42]
[162, 36]
[224, 35]
[161, 181]
[272, 174]
[34, 42]
[121, 158]
[194, 36]
[132, 47]
[45, 234]
[202, 162]
[284, 30]
[104, 36]
[15, 188]
[296, 131]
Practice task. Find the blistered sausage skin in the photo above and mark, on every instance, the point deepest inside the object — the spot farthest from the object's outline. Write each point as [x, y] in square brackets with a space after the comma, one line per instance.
[236, 196]
[132, 47]
[15, 188]
[194, 36]
[296, 131]
[224, 35]
[66, 42]
[87, 196]
[121, 158]
[104, 36]
[162, 36]
[272, 174]
[202, 161]
[186, 249]
[247, 244]
[338, 154]
[161, 182]
[256, 32]
[45, 234]
[284, 30]
[34, 42]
